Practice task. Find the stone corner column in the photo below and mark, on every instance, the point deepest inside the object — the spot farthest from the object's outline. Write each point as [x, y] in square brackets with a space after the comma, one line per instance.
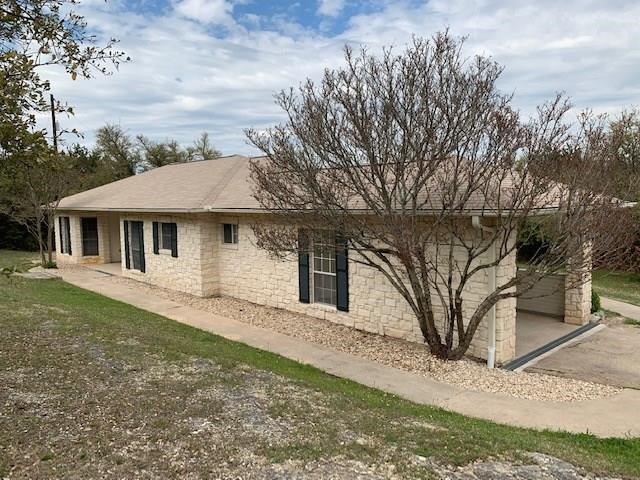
[577, 294]
[506, 311]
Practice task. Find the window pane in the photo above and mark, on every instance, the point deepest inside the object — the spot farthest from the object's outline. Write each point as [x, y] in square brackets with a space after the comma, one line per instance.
[324, 288]
[166, 236]
[230, 233]
[89, 227]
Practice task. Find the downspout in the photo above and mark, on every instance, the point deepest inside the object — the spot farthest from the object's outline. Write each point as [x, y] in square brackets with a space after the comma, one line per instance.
[491, 315]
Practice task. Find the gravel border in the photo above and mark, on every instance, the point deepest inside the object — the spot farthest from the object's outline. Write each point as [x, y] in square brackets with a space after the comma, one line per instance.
[389, 351]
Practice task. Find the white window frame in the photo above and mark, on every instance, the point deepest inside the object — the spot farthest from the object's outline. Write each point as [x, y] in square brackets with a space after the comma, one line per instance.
[313, 271]
[234, 234]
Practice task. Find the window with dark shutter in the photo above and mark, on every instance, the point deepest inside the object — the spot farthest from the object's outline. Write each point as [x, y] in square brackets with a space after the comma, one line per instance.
[89, 227]
[324, 268]
[60, 235]
[174, 240]
[303, 267]
[127, 250]
[156, 242]
[68, 235]
[342, 274]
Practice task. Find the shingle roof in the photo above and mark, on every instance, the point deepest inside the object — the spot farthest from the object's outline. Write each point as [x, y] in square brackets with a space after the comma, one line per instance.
[210, 185]
[223, 184]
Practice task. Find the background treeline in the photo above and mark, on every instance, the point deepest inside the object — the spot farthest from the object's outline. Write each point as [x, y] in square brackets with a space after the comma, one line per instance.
[117, 155]
[40, 176]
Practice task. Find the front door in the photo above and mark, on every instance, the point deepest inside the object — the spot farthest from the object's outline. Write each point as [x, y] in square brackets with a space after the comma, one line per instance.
[137, 246]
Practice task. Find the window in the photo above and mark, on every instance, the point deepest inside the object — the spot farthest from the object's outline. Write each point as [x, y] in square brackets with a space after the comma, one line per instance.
[324, 268]
[89, 228]
[230, 233]
[167, 235]
[65, 235]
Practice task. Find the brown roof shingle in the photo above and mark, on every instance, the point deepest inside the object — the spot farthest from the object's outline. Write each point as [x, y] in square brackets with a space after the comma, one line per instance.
[218, 184]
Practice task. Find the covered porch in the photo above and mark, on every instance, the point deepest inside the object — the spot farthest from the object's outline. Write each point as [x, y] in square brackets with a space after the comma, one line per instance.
[112, 268]
[85, 237]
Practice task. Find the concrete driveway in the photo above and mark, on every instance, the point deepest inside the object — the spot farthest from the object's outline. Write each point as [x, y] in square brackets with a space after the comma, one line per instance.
[610, 356]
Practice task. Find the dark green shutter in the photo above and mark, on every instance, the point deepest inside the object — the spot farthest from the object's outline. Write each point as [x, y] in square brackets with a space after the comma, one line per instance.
[67, 224]
[303, 266]
[155, 238]
[342, 274]
[174, 240]
[61, 246]
[142, 259]
[127, 255]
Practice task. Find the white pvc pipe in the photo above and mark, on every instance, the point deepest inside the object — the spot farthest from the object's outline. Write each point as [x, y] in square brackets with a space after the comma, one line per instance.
[491, 315]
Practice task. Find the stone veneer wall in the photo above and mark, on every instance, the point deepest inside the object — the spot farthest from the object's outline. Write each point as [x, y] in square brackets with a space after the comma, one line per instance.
[246, 272]
[205, 266]
[76, 256]
[191, 270]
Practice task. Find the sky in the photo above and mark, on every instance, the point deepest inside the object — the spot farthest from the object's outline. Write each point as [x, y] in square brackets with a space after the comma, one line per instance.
[215, 65]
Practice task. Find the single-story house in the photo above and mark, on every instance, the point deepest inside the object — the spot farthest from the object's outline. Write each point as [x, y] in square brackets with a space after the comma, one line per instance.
[188, 227]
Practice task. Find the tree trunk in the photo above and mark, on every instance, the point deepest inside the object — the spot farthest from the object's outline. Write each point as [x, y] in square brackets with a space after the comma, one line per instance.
[49, 242]
[40, 241]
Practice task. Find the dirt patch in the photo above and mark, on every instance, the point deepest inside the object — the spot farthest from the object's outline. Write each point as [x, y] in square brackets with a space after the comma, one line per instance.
[540, 466]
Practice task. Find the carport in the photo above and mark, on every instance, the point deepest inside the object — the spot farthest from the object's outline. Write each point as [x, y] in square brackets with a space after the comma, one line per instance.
[553, 312]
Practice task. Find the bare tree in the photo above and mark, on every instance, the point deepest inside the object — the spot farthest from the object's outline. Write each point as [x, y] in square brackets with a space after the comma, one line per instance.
[426, 173]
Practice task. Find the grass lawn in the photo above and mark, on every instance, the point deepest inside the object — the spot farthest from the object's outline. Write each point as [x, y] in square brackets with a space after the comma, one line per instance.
[622, 286]
[21, 260]
[94, 388]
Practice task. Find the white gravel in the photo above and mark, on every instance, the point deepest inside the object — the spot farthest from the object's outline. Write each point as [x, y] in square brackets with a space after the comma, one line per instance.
[409, 356]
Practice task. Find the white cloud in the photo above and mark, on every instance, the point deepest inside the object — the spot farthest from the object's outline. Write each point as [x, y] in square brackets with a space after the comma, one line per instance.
[207, 11]
[183, 80]
[330, 8]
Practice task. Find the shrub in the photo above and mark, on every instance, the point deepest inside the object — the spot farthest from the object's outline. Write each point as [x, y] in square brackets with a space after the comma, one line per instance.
[50, 265]
[595, 301]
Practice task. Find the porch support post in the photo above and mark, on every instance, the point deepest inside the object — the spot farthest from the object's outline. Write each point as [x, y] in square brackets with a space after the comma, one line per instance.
[577, 294]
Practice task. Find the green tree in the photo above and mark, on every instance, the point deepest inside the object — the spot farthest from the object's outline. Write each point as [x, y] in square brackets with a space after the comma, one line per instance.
[91, 170]
[117, 151]
[33, 34]
[36, 33]
[158, 154]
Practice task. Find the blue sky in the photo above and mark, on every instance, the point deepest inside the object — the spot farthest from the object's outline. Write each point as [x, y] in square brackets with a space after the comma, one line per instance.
[214, 65]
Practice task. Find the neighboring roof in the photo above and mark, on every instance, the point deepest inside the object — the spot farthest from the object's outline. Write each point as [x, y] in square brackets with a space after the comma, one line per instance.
[210, 185]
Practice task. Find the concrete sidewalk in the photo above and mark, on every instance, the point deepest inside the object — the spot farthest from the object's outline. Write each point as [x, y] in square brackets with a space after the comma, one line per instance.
[615, 416]
[625, 309]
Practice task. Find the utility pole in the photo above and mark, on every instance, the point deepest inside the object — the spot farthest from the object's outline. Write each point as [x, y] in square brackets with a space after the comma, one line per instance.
[53, 123]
